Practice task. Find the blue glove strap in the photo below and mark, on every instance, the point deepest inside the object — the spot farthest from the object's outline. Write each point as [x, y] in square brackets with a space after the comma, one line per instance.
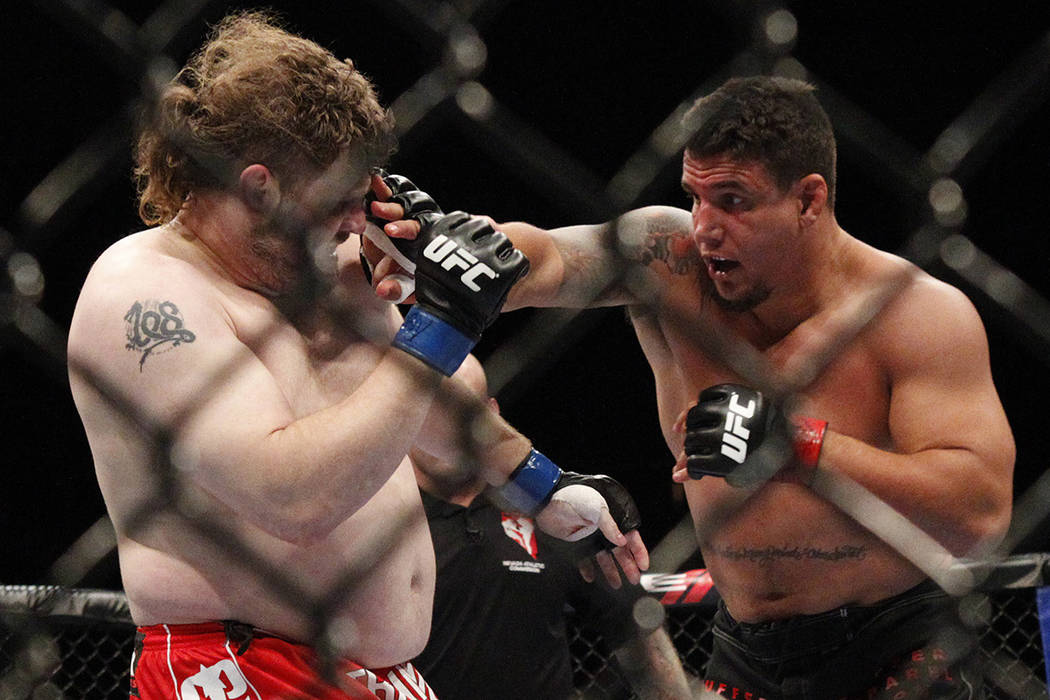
[439, 344]
[531, 484]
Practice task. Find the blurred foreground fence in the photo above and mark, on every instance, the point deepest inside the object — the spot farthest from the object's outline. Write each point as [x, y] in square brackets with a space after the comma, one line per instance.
[74, 643]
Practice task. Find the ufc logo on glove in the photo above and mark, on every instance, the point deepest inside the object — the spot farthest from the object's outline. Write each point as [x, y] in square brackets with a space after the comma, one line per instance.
[444, 251]
[734, 439]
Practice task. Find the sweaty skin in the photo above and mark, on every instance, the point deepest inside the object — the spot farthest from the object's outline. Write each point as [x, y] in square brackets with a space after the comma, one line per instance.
[171, 572]
[290, 500]
[762, 286]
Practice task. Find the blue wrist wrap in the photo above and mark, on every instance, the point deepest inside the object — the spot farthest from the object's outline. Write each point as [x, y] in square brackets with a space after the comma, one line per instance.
[432, 340]
[530, 486]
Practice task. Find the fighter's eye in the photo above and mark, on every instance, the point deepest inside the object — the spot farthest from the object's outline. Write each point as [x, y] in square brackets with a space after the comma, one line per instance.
[731, 201]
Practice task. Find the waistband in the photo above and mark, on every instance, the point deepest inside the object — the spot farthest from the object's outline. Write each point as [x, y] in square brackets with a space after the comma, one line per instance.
[804, 635]
[237, 633]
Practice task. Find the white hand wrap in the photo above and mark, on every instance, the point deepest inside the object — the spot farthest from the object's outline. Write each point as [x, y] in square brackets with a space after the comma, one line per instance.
[572, 512]
[383, 242]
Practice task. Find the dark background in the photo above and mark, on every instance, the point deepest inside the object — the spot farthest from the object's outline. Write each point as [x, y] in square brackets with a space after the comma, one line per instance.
[580, 88]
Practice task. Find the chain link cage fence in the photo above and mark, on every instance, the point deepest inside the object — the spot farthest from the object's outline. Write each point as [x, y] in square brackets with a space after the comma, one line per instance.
[76, 643]
[950, 178]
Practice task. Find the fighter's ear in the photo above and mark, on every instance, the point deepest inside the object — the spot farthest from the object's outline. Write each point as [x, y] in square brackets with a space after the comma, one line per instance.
[260, 189]
[812, 197]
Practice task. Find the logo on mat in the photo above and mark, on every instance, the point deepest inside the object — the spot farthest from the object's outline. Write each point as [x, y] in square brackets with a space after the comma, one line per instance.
[523, 531]
[734, 439]
[221, 681]
[445, 251]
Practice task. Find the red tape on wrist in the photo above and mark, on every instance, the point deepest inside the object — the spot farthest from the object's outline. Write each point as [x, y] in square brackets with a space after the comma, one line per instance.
[809, 438]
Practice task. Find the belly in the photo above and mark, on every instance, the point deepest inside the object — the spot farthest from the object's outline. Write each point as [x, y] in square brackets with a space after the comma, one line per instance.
[372, 578]
[783, 551]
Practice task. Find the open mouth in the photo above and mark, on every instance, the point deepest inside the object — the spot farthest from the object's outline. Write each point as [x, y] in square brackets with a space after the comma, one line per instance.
[720, 266]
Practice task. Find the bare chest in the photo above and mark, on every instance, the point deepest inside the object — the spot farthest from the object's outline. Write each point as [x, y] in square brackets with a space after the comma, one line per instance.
[841, 380]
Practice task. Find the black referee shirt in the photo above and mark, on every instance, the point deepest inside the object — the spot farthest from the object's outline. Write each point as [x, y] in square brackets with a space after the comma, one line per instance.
[499, 628]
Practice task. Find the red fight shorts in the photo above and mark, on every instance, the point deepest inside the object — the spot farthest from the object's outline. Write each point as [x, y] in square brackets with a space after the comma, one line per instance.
[233, 661]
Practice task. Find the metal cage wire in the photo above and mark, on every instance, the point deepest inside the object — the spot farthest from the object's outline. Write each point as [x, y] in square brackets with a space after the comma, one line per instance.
[451, 91]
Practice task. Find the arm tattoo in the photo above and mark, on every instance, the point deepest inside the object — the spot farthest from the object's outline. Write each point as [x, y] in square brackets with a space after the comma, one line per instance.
[764, 555]
[647, 237]
[595, 259]
[151, 324]
[588, 273]
[668, 243]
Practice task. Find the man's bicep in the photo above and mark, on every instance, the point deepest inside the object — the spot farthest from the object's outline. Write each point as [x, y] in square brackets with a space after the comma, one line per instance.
[169, 358]
[943, 395]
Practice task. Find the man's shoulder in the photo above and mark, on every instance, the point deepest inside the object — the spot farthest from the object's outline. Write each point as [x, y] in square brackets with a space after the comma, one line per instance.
[908, 288]
[640, 225]
[141, 263]
[137, 254]
[138, 274]
[659, 241]
[922, 314]
[919, 293]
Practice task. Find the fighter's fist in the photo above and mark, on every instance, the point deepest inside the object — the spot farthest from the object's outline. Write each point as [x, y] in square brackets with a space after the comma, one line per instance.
[735, 432]
[394, 206]
[464, 271]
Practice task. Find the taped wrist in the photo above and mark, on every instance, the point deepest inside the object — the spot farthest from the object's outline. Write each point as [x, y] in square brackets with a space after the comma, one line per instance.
[433, 340]
[809, 438]
[531, 484]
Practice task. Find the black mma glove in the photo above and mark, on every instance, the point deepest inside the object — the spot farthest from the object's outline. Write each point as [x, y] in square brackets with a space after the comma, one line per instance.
[621, 507]
[464, 271]
[418, 206]
[736, 433]
[537, 480]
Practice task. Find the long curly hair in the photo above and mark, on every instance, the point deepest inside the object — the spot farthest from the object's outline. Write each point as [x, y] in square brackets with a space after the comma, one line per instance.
[254, 93]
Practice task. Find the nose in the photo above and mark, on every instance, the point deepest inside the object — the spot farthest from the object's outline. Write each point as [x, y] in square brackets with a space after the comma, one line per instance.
[354, 219]
[707, 229]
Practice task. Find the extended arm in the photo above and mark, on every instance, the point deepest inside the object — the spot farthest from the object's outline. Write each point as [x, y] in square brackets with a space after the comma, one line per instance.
[575, 266]
[625, 261]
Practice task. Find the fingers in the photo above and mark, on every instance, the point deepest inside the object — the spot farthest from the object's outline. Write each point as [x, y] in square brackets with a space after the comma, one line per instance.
[633, 558]
[586, 568]
[371, 251]
[394, 288]
[679, 424]
[386, 278]
[680, 473]
[608, 526]
[608, 567]
[397, 227]
[636, 552]
[392, 212]
[382, 190]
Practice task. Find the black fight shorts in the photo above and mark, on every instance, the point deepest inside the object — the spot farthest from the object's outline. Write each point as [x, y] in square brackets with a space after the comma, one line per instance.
[909, 647]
